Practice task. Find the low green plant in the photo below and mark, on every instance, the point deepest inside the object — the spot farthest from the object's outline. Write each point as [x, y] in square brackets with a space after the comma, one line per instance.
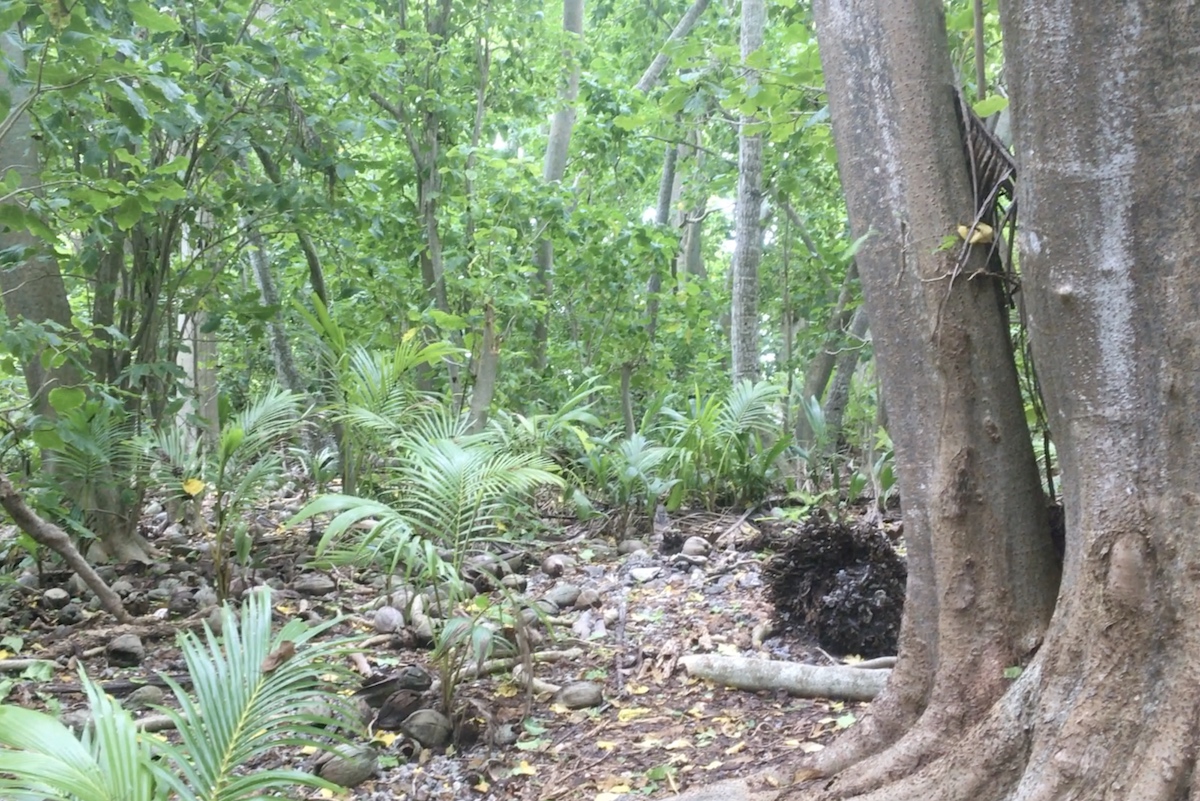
[628, 474]
[242, 708]
[725, 447]
[245, 461]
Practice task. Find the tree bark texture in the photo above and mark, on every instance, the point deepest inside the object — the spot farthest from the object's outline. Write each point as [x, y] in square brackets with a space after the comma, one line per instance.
[558, 144]
[982, 573]
[683, 28]
[32, 283]
[747, 252]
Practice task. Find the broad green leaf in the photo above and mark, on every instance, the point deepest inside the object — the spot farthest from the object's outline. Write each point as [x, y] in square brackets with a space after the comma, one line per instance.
[64, 399]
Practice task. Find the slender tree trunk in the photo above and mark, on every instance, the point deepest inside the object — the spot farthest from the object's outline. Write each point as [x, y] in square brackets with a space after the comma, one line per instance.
[30, 279]
[982, 572]
[683, 28]
[557, 146]
[487, 368]
[748, 248]
[820, 367]
[286, 372]
[838, 396]
[662, 217]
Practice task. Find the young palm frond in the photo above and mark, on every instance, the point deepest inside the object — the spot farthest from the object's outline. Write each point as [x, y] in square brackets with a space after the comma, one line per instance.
[40, 758]
[242, 708]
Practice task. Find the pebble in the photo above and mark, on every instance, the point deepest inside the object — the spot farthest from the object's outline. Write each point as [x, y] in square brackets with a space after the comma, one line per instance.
[314, 584]
[587, 599]
[644, 574]
[388, 619]
[563, 595]
[580, 695]
[626, 547]
[55, 598]
[125, 650]
[349, 765]
[70, 614]
[145, 696]
[121, 587]
[696, 546]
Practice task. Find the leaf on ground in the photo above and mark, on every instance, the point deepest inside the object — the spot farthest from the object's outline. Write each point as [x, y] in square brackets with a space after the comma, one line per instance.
[735, 748]
[811, 747]
[523, 768]
[637, 689]
[507, 690]
[846, 721]
[632, 713]
[605, 745]
[675, 745]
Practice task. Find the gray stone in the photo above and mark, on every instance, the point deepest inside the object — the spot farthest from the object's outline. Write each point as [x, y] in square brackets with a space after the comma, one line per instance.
[70, 614]
[182, 603]
[55, 598]
[580, 695]
[145, 696]
[556, 564]
[696, 546]
[206, 596]
[348, 765]
[644, 574]
[563, 595]
[121, 587]
[314, 584]
[626, 547]
[587, 599]
[388, 619]
[428, 727]
[125, 650]
[515, 581]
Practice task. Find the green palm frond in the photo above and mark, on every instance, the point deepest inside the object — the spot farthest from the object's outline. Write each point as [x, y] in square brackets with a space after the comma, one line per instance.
[240, 712]
[41, 758]
[272, 418]
[750, 408]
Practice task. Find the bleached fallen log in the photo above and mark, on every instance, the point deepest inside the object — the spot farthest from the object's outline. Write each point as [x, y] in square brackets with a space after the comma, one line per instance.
[807, 681]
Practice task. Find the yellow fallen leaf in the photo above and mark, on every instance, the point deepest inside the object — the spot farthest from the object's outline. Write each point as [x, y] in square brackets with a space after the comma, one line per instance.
[982, 234]
[632, 712]
[559, 709]
[811, 748]
[385, 738]
[675, 745]
[523, 769]
[481, 786]
[716, 763]
[605, 745]
[735, 748]
[637, 689]
[193, 486]
[728, 649]
[507, 690]
[4, 654]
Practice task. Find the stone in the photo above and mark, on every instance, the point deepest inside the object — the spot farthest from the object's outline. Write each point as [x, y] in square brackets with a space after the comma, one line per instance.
[588, 599]
[556, 564]
[55, 598]
[580, 695]
[125, 650]
[206, 596]
[396, 709]
[644, 574]
[182, 603]
[70, 614]
[348, 764]
[626, 547]
[515, 582]
[428, 727]
[145, 696]
[314, 584]
[388, 619]
[121, 587]
[696, 546]
[563, 595]
[546, 607]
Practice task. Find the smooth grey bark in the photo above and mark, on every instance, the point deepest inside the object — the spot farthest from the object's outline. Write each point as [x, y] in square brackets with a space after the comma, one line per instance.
[487, 369]
[838, 396]
[982, 572]
[557, 146]
[30, 278]
[747, 251]
[662, 217]
[682, 28]
[820, 367]
[286, 371]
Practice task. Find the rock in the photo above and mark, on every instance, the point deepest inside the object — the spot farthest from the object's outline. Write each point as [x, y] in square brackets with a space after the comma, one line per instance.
[76, 586]
[215, 620]
[515, 582]
[174, 533]
[206, 596]
[400, 598]
[504, 734]
[644, 574]
[376, 689]
[121, 587]
[422, 627]
[556, 564]
[580, 695]
[145, 696]
[563, 595]
[696, 546]
[388, 619]
[125, 650]
[182, 603]
[314, 584]
[428, 727]
[153, 509]
[55, 598]
[546, 607]
[348, 765]
[626, 547]
[588, 599]
[70, 614]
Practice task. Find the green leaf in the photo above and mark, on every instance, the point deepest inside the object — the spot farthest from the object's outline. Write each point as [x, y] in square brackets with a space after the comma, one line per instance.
[128, 213]
[64, 399]
[151, 18]
[1012, 672]
[990, 105]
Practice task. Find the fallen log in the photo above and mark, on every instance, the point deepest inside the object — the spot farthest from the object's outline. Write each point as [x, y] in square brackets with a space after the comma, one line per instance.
[807, 681]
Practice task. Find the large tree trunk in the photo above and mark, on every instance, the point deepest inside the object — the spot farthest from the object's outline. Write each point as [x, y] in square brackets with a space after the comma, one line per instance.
[557, 146]
[747, 251]
[30, 279]
[982, 574]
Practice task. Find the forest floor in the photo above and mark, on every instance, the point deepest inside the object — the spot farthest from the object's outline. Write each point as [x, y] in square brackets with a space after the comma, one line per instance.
[652, 732]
